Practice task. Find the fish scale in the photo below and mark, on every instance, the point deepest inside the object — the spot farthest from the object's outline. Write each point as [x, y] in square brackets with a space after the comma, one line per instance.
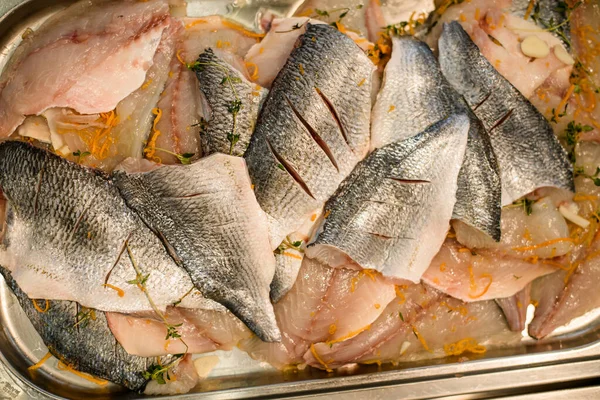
[66, 231]
[393, 212]
[207, 216]
[415, 95]
[221, 85]
[529, 154]
[311, 132]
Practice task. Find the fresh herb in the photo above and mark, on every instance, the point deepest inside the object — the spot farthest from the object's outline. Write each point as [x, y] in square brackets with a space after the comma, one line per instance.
[343, 12]
[517, 277]
[401, 316]
[561, 29]
[579, 171]
[172, 332]
[572, 135]
[81, 155]
[84, 316]
[234, 106]
[232, 79]
[526, 204]
[155, 372]
[294, 27]
[288, 244]
[556, 117]
[281, 167]
[233, 139]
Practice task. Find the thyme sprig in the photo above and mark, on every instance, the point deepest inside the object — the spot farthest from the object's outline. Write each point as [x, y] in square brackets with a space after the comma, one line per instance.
[84, 316]
[572, 135]
[559, 29]
[525, 204]
[156, 372]
[287, 243]
[342, 10]
[234, 106]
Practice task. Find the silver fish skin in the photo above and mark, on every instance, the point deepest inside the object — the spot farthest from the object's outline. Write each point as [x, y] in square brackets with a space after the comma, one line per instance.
[528, 152]
[311, 132]
[67, 229]
[224, 88]
[414, 96]
[207, 216]
[313, 128]
[393, 212]
[547, 14]
[87, 346]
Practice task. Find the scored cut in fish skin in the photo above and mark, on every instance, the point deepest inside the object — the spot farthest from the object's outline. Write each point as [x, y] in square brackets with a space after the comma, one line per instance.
[209, 220]
[88, 347]
[312, 130]
[123, 35]
[221, 86]
[393, 212]
[67, 228]
[414, 96]
[528, 152]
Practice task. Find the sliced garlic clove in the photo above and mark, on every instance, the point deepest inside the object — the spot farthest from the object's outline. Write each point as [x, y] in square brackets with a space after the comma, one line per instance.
[534, 47]
[563, 55]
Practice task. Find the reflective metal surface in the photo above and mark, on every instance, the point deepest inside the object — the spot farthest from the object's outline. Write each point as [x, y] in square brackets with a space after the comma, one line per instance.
[570, 357]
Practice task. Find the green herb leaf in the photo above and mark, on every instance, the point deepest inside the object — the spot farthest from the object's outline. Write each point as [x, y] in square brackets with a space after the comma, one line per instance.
[401, 316]
[526, 204]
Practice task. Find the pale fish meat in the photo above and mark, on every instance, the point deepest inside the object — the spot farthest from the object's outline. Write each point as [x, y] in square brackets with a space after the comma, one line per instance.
[112, 42]
[312, 129]
[69, 234]
[208, 218]
[415, 95]
[393, 212]
[420, 323]
[515, 308]
[325, 304]
[231, 102]
[201, 330]
[528, 153]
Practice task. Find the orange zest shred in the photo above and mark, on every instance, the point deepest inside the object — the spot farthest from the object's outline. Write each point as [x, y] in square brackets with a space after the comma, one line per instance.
[462, 310]
[371, 273]
[46, 308]
[178, 55]
[252, 66]
[529, 9]
[464, 250]
[462, 346]
[442, 267]
[242, 30]
[563, 102]
[362, 82]
[146, 84]
[349, 335]
[477, 13]
[150, 150]
[400, 295]
[120, 292]
[421, 339]
[195, 22]
[584, 197]
[332, 329]
[313, 217]
[543, 244]
[38, 364]
[318, 358]
[473, 283]
[377, 306]
[340, 27]
[65, 367]
[301, 68]
[292, 255]
[392, 108]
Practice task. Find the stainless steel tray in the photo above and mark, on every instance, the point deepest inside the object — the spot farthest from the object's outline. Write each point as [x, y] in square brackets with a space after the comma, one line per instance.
[570, 357]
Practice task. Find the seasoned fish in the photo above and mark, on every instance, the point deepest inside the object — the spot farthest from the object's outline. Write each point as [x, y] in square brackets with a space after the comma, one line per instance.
[232, 104]
[325, 304]
[201, 330]
[393, 212]
[414, 96]
[420, 323]
[86, 346]
[67, 233]
[209, 220]
[112, 42]
[312, 130]
[529, 155]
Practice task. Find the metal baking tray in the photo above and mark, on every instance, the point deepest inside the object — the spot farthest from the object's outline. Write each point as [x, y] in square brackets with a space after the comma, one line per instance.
[571, 356]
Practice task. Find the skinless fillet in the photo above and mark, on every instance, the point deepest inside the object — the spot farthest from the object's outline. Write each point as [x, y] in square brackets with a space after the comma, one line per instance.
[101, 52]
